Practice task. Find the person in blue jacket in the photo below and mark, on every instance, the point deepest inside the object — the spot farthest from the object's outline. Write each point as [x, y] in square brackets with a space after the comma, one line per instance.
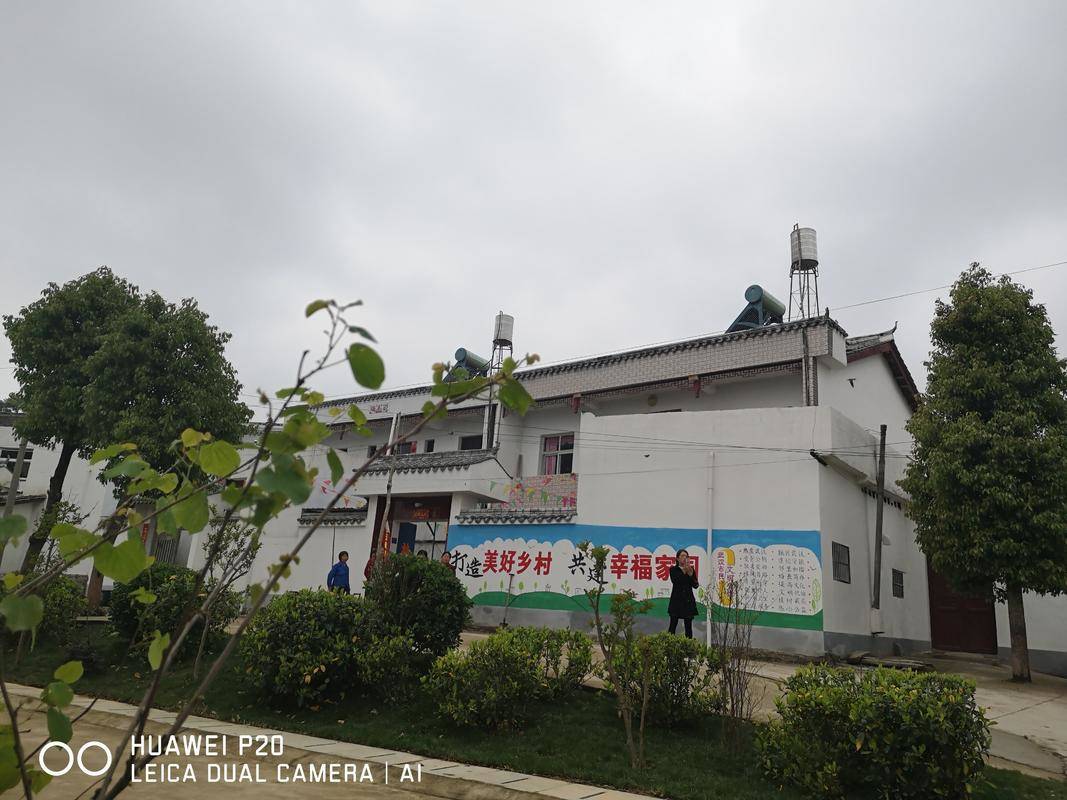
[337, 580]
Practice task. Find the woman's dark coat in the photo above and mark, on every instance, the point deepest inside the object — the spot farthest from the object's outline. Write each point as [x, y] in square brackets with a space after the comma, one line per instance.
[683, 604]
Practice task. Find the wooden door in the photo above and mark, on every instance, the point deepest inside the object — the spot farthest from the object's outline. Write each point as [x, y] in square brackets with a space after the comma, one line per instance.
[959, 622]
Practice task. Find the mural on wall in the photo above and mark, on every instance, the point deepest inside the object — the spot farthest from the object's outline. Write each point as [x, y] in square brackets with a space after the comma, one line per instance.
[541, 567]
[779, 574]
[539, 493]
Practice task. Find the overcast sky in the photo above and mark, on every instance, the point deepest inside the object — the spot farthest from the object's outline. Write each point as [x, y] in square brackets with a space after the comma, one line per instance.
[611, 174]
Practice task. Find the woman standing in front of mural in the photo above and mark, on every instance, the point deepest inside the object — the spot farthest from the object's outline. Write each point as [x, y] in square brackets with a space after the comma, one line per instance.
[683, 604]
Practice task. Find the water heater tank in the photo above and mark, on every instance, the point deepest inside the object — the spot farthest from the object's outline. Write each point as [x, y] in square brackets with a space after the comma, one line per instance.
[503, 329]
[804, 249]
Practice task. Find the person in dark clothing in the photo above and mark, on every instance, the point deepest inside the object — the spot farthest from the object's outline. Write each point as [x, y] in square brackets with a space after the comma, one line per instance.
[683, 604]
[337, 580]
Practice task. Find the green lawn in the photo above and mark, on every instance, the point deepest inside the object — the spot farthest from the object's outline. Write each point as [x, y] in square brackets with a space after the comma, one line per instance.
[581, 740]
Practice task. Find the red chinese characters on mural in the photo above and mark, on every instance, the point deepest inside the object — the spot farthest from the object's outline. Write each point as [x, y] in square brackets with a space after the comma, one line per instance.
[639, 566]
[515, 562]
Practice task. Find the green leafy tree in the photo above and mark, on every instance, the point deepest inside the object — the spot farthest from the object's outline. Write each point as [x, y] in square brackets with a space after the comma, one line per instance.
[988, 482]
[98, 362]
[278, 473]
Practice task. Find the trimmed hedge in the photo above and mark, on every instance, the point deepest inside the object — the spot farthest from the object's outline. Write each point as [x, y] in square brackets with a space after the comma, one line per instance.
[682, 679]
[303, 645]
[174, 588]
[493, 684]
[883, 733]
[564, 657]
[421, 597]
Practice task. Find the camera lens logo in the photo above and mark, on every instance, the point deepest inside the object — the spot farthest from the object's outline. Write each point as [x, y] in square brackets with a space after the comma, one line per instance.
[72, 758]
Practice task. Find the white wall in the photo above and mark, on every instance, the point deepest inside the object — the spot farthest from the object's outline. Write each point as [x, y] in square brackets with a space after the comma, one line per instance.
[873, 397]
[1046, 626]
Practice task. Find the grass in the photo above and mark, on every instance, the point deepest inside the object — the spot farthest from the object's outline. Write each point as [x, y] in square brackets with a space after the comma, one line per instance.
[580, 740]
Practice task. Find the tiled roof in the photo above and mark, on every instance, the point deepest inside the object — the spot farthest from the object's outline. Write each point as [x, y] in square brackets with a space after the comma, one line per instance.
[508, 517]
[594, 362]
[23, 498]
[430, 462]
[336, 516]
[674, 347]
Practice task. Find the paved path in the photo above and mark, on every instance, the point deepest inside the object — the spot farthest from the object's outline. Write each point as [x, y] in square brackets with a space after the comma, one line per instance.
[278, 774]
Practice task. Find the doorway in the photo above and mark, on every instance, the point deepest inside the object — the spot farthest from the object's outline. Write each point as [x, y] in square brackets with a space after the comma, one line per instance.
[959, 622]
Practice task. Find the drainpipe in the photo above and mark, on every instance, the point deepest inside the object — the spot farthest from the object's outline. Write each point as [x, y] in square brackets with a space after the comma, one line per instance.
[711, 525]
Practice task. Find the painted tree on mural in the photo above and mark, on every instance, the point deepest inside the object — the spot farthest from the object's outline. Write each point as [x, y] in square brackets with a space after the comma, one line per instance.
[989, 479]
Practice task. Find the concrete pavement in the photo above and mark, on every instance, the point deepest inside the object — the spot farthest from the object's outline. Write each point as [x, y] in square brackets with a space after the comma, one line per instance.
[273, 765]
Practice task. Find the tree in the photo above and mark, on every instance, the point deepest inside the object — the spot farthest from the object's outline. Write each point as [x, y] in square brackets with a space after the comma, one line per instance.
[98, 362]
[988, 482]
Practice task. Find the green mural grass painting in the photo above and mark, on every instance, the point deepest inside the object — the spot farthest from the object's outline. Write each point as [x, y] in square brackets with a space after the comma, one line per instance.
[556, 601]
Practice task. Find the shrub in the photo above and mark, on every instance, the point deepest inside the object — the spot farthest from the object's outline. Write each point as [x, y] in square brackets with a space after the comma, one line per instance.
[389, 666]
[884, 733]
[681, 673]
[422, 597]
[64, 601]
[174, 588]
[564, 657]
[304, 645]
[492, 684]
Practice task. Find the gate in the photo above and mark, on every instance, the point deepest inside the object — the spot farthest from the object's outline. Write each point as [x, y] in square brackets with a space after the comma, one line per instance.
[959, 622]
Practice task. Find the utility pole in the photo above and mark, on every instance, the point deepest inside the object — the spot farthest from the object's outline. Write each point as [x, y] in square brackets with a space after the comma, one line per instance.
[879, 499]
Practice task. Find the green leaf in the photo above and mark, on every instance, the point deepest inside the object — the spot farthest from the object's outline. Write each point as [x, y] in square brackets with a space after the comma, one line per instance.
[314, 398]
[514, 395]
[69, 672]
[12, 526]
[286, 475]
[316, 305]
[108, 453]
[57, 694]
[192, 511]
[367, 366]
[165, 522]
[129, 467]
[160, 642]
[124, 562]
[22, 613]
[71, 539]
[143, 596]
[59, 727]
[12, 580]
[191, 438]
[38, 779]
[356, 415]
[337, 471]
[219, 458]
[167, 483]
[356, 329]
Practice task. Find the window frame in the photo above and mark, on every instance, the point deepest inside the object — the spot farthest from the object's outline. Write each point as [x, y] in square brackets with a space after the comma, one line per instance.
[842, 568]
[407, 448]
[428, 446]
[898, 581]
[558, 453]
[13, 457]
[470, 437]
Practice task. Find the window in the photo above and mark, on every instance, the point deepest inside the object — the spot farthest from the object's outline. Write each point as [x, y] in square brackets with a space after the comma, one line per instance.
[9, 455]
[405, 448]
[470, 442]
[557, 454]
[898, 583]
[371, 450]
[428, 446]
[842, 566]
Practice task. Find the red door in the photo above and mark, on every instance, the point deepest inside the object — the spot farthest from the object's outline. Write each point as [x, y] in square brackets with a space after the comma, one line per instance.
[959, 622]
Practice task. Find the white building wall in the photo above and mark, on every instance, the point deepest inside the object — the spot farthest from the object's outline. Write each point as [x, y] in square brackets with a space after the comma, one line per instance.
[871, 399]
